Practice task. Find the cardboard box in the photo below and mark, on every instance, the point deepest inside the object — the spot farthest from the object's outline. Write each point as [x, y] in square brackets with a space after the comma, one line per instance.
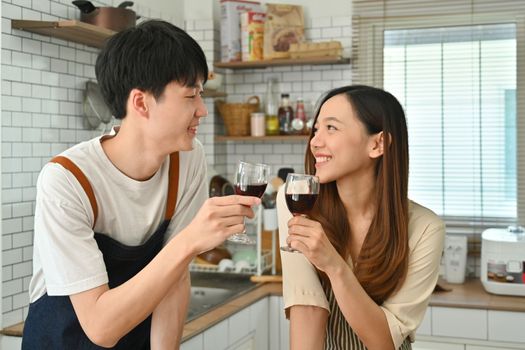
[231, 27]
[252, 35]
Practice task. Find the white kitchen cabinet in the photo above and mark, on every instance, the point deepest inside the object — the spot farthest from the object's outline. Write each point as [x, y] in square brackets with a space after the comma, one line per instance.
[284, 325]
[217, 336]
[195, 343]
[245, 344]
[481, 347]
[239, 325]
[274, 341]
[10, 343]
[426, 345]
[279, 325]
[470, 329]
[506, 326]
[425, 328]
[244, 330]
[460, 323]
[259, 318]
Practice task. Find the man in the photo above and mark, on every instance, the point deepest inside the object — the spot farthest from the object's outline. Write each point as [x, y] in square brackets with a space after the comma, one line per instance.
[119, 218]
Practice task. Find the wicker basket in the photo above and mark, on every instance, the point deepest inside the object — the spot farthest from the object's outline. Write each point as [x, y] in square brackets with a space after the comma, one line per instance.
[236, 116]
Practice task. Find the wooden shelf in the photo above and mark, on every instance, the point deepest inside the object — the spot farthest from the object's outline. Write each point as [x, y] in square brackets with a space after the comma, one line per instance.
[71, 30]
[262, 138]
[283, 62]
[213, 93]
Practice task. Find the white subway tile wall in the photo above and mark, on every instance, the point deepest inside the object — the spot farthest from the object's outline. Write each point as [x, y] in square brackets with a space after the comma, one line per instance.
[43, 79]
[308, 82]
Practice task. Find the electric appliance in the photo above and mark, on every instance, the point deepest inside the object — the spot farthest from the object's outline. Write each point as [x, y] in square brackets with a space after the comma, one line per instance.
[503, 260]
[455, 258]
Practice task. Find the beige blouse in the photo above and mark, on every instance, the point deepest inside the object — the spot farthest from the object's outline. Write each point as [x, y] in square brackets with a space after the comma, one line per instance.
[406, 308]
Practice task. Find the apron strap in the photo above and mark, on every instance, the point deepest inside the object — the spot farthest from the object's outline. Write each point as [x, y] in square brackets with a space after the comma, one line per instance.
[84, 182]
[82, 179]
[173, 186]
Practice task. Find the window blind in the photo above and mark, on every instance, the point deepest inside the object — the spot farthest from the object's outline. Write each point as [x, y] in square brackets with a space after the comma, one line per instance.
[454, 66]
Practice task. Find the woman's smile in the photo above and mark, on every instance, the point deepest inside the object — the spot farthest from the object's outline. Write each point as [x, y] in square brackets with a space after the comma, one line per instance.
[321, 160]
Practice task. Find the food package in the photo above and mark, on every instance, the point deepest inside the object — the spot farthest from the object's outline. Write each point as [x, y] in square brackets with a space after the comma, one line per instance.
[231, 27]
[284, 26]
[319, 49]
[252, 34]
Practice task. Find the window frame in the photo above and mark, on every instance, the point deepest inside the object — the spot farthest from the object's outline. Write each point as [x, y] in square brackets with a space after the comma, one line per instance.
[368, 69]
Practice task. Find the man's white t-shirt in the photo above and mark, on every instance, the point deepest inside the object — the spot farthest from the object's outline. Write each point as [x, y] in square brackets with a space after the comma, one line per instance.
[66, 258]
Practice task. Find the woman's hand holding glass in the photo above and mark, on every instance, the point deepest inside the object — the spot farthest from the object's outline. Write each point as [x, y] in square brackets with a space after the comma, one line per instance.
[308, 237]
[300, 191]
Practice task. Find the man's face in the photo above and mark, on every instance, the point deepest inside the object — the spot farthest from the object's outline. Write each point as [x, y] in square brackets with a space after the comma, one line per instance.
[175, 116]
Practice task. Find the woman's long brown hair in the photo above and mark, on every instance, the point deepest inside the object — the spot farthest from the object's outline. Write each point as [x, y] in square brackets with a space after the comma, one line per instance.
[382, 264]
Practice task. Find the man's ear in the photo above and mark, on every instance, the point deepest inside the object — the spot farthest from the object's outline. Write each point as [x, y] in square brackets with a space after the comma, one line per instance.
[138, 102]
[378, 144]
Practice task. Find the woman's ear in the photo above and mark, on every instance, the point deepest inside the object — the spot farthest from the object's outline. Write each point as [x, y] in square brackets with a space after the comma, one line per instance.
[377, 144]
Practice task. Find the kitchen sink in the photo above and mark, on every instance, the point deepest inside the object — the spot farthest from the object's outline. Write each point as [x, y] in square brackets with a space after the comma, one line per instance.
[207, 295]
[205, 298]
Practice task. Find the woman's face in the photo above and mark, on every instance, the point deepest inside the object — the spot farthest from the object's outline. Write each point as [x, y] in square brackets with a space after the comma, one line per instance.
[341, 145]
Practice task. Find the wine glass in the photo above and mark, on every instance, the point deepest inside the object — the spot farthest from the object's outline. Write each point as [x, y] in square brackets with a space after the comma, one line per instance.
[250, 180]
[300, 192]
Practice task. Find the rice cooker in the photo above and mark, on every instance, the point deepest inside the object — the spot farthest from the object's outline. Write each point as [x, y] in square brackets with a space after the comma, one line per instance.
[503, 260]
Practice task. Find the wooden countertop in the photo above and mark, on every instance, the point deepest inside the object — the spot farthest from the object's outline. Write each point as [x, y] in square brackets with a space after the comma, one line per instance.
[470, 295]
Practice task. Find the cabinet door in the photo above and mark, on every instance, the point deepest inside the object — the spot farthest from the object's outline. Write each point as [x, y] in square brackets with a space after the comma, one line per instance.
[10, 343]
[239, 326]
[195, 343]
[430, 345]
[216, 338]
[507, 326]
[459, 323]
[279, 325]
[284, 326]
[479, 347]
[425, 328]
[245, 344]
[274, 340]
[259, 323]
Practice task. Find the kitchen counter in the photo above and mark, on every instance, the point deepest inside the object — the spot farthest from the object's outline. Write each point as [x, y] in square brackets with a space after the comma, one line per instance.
[469, 295]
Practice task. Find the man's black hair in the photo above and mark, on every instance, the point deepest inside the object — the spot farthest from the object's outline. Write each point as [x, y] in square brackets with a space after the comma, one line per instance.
[147, 57]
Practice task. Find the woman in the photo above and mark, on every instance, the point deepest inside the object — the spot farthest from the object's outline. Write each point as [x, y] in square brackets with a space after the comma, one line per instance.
[370, 257]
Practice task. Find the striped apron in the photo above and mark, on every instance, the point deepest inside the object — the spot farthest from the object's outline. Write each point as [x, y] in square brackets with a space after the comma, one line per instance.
[52, 322]
[339, 334]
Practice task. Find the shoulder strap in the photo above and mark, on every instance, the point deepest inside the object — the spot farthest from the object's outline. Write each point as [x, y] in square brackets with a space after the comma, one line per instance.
[82, 179]
[173, 186]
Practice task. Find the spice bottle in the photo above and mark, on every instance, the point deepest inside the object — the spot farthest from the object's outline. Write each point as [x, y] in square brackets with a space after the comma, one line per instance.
[285, 114]
[299, 121]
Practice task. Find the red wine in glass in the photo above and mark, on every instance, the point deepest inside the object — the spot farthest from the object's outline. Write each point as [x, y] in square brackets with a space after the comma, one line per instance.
[250, 180]
[255, 190]
[300, 204]
[300, 192]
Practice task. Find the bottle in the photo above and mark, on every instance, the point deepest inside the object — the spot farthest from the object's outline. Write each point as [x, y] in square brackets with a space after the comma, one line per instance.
[270, 110]
[310, 111]
[285, 114]
[299, 121]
